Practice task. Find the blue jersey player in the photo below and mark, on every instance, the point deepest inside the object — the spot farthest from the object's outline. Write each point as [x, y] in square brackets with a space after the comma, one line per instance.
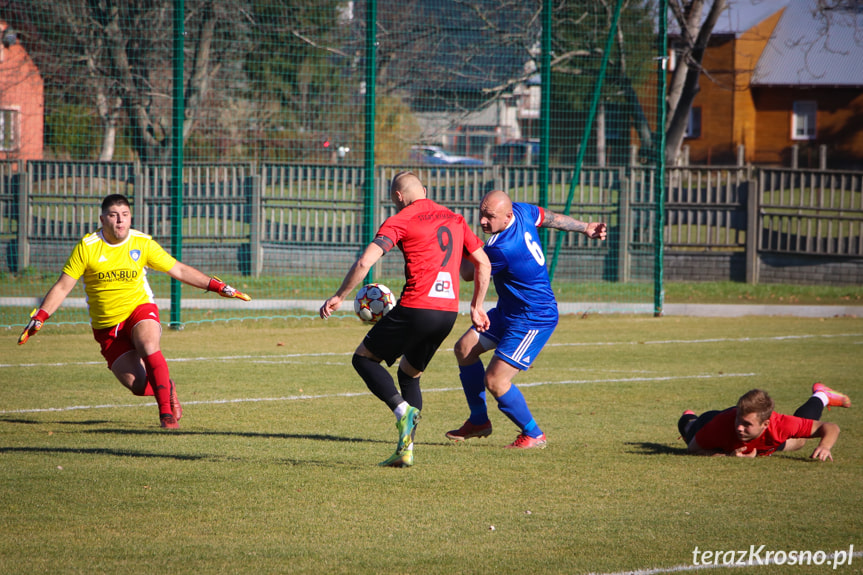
[523, 320]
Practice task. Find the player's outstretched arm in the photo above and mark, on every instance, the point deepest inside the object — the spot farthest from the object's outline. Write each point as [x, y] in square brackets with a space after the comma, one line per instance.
[745, 452]
[694, 449]
[224, 290]
[466, 269]
[481, 279]
[596, 231]
[593, 230]
[829, 433]
[38, 317]
[50, 304]
[196, 278]
[355, 275]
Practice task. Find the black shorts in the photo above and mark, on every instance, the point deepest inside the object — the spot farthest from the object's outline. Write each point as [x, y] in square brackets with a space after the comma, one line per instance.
[410, 332]
[702, 420]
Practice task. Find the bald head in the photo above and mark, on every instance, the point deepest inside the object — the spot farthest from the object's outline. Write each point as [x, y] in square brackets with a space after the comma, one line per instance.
[406, 188]
[495, 212]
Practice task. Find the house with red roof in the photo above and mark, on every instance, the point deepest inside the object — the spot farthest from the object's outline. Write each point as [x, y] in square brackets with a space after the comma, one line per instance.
[22, 101]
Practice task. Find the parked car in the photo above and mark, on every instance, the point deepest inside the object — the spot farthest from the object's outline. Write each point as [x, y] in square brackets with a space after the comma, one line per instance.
[436, 156]
[516, 152]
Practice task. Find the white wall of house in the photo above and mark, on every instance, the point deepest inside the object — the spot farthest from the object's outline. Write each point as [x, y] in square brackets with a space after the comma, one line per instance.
[472, 132]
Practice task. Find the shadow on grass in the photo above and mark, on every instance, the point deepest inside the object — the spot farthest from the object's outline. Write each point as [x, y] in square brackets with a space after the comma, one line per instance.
[22, 421]
[40, 422]
[250, 434]
[650, 448]
[102, 451]
[293, 462]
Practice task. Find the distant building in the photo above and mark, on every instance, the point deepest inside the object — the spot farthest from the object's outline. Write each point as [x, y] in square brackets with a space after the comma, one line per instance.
[473, 133]
[476, 87]
[780, 76]
[22, 101]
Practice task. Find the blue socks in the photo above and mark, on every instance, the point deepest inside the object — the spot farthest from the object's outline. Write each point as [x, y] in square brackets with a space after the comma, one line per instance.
[513, 405]
[473, 382]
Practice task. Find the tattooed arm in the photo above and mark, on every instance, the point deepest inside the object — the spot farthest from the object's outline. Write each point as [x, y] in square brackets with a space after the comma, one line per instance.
[593, 230]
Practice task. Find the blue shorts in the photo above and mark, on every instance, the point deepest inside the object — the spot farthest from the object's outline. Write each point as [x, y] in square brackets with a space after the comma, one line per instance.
[516, 341]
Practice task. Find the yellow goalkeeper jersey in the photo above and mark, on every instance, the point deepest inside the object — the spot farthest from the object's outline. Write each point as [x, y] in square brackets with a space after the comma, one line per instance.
[115, 278]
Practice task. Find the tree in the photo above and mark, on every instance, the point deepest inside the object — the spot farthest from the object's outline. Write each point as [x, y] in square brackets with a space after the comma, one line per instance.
[303, 75]
[695, 31]
[579, 38]
[117, 56]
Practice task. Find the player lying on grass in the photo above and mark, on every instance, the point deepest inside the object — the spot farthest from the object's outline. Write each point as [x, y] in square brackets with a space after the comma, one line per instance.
[522, 321]
[752, 428]
[123, 313]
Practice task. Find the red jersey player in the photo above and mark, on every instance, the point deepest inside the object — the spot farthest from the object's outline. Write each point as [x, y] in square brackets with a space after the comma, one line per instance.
[752, 428]
[433, 240]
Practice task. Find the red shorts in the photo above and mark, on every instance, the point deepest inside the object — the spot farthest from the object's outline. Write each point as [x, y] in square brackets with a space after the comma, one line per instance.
[116, 341]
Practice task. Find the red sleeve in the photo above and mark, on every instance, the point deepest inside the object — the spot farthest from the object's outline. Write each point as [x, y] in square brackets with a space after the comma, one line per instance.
[791, 426]
[390, 233]
[540, 219]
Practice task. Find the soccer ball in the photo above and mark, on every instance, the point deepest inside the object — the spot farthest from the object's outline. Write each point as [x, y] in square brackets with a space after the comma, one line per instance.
[373, 302]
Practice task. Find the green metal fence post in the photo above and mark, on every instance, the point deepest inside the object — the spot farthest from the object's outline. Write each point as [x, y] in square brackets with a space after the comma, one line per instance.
[545, 113]
[371, 73]
[587, 128]
[658, 289]
[177, 162]
[25, 179]
[255, 194]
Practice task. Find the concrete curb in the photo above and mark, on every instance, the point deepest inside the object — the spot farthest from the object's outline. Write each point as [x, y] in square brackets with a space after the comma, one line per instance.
[671, 309]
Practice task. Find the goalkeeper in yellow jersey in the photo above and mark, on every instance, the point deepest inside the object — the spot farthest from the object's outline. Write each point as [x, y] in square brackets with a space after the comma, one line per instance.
[123, 313]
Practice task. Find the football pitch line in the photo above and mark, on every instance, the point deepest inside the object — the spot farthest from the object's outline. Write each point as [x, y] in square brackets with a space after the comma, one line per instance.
[253, 358]
[286, 357]
[709, 340]
[299, 357]
[845, 557]
[305, 397]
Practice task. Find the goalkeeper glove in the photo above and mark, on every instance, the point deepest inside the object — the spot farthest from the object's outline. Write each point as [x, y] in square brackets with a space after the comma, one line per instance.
[225, 290]
[37, 319]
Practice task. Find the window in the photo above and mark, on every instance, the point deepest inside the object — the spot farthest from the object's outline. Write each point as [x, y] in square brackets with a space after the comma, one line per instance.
[8, 130]
[803, 120]
[693, 125]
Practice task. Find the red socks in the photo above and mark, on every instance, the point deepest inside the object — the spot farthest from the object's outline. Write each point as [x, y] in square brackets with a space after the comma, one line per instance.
[158, 381]
[148, 390]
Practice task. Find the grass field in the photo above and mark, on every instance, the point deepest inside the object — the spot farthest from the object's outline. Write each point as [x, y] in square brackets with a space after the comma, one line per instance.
[35, 285]
[274, 469]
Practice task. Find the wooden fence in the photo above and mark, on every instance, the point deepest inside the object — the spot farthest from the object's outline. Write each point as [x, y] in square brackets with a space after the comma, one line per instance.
[811, 212]
[706, 207]
[255, 208]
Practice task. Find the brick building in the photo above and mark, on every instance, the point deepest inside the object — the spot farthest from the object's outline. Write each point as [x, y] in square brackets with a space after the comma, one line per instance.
[22, 101]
